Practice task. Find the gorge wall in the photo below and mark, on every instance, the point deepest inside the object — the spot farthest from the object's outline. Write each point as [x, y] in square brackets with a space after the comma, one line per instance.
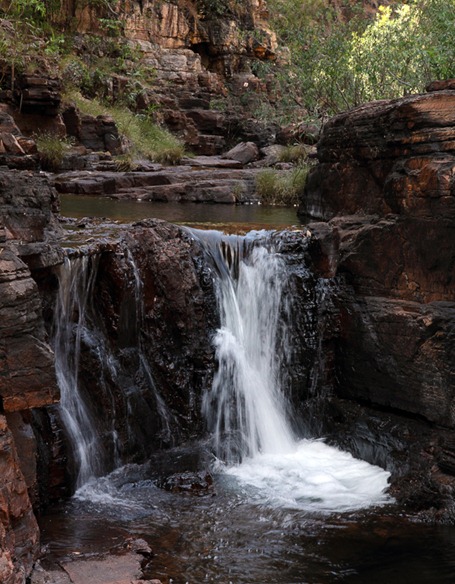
[28, 230]
[373, 323]
[382, 201]
[185, 63]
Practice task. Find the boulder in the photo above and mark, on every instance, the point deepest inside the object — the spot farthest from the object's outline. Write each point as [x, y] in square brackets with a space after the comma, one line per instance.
[244, 152]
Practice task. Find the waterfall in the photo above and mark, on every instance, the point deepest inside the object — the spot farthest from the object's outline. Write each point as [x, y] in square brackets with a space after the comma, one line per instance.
[115, 407]
[76, 279]
[100, 415]
[246, 409]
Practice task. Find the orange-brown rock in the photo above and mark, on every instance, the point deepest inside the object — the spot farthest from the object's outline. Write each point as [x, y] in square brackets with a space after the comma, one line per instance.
[195, 51]
[19, 534]
[28, 232]
[385, 188]
[27, 378]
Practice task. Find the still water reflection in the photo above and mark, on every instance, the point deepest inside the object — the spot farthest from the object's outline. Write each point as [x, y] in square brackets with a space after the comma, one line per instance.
[244, 217]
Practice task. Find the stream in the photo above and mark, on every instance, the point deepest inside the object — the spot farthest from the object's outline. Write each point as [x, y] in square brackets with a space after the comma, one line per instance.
[281, 509]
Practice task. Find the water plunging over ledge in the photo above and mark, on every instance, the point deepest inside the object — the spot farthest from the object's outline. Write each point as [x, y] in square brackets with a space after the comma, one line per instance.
[267, 481]
[75, 293]
[247, 410]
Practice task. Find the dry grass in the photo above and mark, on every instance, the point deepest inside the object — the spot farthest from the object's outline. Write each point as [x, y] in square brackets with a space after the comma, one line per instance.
[144, 137]
[275, 187]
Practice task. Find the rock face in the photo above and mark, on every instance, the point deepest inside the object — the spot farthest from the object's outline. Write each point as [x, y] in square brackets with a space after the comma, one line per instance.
[385, 190]
[146, 356]
[19, 535]
[199, 50]
[27, 380]
[178, 60]
[28, 231]
[182, 183]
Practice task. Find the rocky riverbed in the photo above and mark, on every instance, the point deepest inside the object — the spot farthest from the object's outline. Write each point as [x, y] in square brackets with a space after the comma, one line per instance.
[380, 237]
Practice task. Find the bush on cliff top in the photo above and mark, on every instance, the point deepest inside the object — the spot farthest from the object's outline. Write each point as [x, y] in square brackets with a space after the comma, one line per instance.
[338, 62]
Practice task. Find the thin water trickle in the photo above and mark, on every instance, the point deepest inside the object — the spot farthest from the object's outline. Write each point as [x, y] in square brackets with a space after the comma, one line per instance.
[97, 444]
[76, 278]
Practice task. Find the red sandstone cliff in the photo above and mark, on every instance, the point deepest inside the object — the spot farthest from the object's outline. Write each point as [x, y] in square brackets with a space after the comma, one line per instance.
[385, 189]
[27, 378]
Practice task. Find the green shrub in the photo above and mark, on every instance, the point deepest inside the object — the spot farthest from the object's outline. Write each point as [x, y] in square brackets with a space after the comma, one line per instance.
[145, 138]
[275, 187]
[337, 62]
[51, 150]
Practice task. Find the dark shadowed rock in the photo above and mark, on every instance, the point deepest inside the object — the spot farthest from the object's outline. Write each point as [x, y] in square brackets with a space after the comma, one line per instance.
[192, 483]
[385, 187]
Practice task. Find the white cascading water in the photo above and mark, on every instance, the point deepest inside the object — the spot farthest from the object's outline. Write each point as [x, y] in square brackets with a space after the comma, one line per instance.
[72, 327]
[250, 412]
[246, 408]
[75, 291]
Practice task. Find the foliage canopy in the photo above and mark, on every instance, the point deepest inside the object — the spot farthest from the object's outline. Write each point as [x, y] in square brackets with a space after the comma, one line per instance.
[339, 63]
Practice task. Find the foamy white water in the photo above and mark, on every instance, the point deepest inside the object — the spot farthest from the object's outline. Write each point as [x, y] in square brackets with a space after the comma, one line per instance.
[246, 408]
[313, 477]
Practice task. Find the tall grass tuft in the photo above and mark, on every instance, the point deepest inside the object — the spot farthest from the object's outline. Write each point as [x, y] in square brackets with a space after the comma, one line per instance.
[281, 188]
[144, 137]
[51, 150]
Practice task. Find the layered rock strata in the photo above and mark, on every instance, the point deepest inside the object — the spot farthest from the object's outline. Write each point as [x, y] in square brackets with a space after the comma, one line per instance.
[211, 185]
[383, 197]
[175, 60]
[27, 379]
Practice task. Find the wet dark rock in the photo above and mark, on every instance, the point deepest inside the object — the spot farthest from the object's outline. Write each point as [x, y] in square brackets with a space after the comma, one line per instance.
[155, 306]
[200, 483]
[124, 568]
[383, 198]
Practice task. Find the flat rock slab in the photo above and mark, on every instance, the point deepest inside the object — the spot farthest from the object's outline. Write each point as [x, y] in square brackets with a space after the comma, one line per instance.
[212, 162]
[124, 569]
